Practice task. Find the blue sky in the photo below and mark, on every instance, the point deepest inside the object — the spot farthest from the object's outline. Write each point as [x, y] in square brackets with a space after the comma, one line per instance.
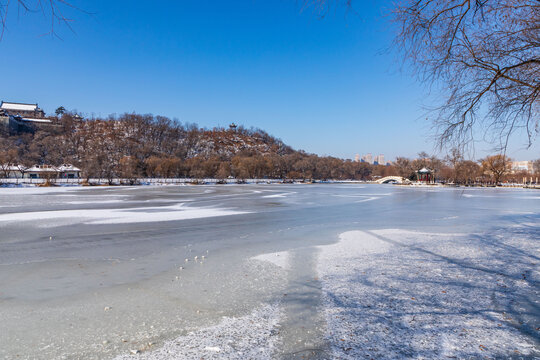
[325, 85]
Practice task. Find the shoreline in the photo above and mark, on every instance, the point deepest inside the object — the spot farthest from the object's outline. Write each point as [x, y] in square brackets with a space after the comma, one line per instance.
[22, 183]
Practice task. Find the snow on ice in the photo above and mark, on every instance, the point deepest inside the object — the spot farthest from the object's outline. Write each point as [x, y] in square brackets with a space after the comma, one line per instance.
[253, 336]
[400, 294]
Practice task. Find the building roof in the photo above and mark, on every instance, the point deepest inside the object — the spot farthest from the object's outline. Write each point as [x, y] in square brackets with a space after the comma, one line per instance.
[36, 120]
[18, 106]
[42, 168]
[424, 171]
[68, 167]
[10, 167]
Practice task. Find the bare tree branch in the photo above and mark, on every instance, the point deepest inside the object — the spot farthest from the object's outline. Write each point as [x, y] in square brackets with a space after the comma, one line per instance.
[55, 10]
[486, 53]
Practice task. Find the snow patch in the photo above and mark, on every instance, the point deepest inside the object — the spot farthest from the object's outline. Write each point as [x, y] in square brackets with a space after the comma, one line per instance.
[85, 202]
[253, 336]
[368, 199]
[118, 216]
[278, 195]
[361, 195]
[36, 190]
[394, 293]
[280, 259]
[351, 244]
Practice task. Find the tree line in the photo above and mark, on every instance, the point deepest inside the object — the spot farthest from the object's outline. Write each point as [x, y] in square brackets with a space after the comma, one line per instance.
[455, 169]
[132, 146]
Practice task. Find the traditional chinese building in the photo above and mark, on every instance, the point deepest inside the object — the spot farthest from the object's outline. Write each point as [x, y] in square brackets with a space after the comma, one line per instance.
[425, 175]
[19, 117]
[23, 110]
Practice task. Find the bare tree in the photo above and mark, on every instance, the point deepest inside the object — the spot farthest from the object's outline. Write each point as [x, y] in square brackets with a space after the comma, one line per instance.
[468, 171]
[486, 54]
[128, 166]
[224, 171]
[8, 159]
[496, 166]
[55, 10]
[404, 167]
[454, 158]
[536, 166]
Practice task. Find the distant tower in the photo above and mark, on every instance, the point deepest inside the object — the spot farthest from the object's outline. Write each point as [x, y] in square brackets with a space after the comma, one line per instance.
[233, 127]
[357, 158]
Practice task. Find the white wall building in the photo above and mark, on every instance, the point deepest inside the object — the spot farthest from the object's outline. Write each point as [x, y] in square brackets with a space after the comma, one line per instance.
[68, 171]
[522, 166]
[8, 171]
[64, 171]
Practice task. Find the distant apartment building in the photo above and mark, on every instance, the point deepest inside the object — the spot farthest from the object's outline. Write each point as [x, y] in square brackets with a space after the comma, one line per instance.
[357, 158]
[522, 166]
[377, 160]
[367, 158]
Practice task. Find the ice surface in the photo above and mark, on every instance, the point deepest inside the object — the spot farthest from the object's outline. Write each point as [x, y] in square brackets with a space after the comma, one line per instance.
[412, 273]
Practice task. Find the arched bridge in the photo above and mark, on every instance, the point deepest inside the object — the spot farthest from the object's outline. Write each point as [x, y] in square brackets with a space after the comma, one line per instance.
[388, 179]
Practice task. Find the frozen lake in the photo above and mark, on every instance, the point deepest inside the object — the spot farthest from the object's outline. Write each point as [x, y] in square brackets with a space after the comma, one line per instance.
[324, 271]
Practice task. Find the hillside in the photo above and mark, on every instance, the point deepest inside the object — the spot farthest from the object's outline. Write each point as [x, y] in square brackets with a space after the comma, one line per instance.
[134, 145]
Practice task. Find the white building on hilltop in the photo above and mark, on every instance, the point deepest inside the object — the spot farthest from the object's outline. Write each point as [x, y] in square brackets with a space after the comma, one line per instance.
[17, 117]
[23, 110]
